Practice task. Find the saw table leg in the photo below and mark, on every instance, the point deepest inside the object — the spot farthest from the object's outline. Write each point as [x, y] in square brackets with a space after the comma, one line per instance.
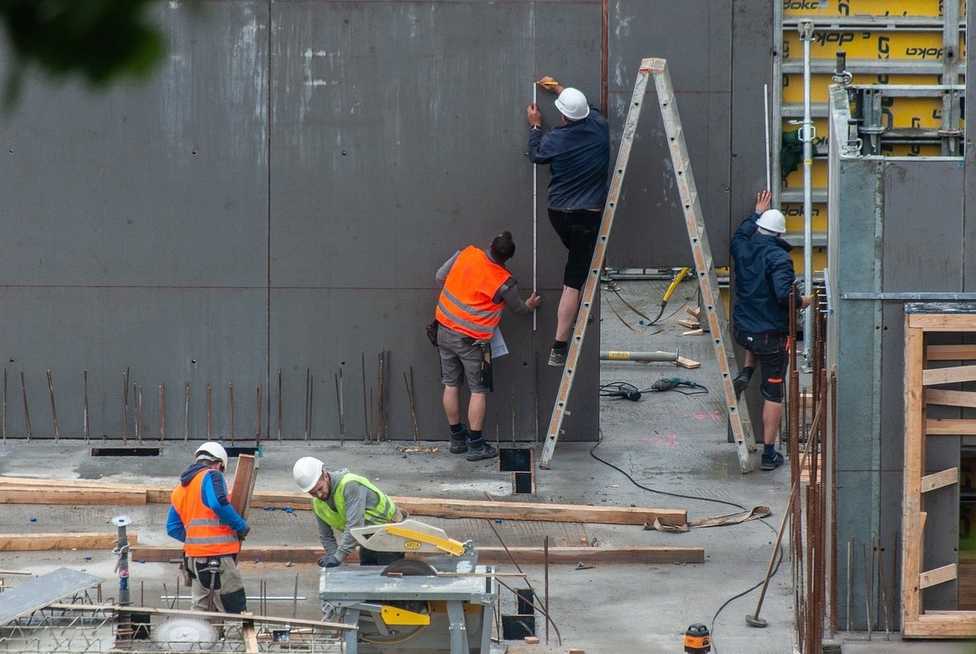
[459, 631]
[487, 618]
[351, 616]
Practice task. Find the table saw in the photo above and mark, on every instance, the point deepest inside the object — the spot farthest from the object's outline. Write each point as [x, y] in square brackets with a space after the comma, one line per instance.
[440, 604]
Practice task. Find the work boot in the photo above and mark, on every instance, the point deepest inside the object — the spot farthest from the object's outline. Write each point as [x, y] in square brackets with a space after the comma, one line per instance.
[771, 461]
[484, 451]
[459, 440]
[459, 443]
[557, 358]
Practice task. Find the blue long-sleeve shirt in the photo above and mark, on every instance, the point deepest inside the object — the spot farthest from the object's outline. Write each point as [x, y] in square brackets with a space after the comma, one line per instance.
[213, 492]
[578, 154]
[763, 278]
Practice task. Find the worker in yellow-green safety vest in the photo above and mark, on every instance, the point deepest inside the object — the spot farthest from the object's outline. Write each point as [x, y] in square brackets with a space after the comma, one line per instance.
[342, 501]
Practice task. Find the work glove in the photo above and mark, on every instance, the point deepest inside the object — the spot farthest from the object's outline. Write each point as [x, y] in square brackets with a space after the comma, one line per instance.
[242, 534]
[329, 561]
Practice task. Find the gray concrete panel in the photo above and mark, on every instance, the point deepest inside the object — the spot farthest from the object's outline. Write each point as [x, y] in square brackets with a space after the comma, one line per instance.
[158, 183]
[969, 188]
[163, 335]
[696, 39]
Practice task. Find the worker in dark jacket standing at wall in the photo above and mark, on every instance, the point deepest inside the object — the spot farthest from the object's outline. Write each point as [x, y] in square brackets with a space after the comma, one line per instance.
[578, 153]
[764, 277]
[477, 287]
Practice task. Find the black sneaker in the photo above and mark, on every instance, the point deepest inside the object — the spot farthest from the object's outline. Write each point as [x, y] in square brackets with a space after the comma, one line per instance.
[771, 462]
[557, 358]
[486, 451]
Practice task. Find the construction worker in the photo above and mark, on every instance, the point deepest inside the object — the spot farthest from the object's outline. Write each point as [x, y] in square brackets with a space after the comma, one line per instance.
[764, 277]
[476, 288]
[211, 530]
[342, 501]
[578, 154]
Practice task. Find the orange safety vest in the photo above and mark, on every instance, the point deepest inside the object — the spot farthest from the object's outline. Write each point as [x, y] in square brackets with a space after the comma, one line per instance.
[205, 535]
[466, 304]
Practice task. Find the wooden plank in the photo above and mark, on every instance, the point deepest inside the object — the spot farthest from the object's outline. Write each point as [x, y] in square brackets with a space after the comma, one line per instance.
[61, 541]
[937, 576]
[243, 488]
[488, 555]
[952, 375]
[912, 521]
[950, 398]
[950, 352]
[250, 635]
[942, 322]
[419, 506]
[941, 479]
[948, 624]
[264, 619]
[689, 324]
[685, 362]
[75, 497]
[950, 427]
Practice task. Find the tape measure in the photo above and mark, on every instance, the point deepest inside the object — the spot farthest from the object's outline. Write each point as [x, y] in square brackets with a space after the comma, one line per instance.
[698, 640]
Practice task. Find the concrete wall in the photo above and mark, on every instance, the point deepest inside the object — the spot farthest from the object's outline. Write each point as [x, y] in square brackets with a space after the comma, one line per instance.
[278, 196]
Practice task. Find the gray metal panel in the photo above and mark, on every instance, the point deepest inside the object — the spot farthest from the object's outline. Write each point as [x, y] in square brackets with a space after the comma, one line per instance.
[166, 336]
[696, 38]
[969, 189]
[390, 154]
[41, 591]
[162, 183]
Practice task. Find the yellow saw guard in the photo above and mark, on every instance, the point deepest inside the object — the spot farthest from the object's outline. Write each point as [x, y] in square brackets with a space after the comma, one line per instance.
[395, 616]
[407, 536]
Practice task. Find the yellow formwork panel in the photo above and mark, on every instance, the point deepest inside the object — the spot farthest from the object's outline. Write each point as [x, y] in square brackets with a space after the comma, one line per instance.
[794, 218]
[905, 150]
[795, 179]
[819, 85]
[819, 259]
[882, 45]
[865, 7]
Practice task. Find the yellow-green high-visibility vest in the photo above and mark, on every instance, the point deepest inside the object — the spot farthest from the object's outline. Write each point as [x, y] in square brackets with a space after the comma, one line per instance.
[383, 512]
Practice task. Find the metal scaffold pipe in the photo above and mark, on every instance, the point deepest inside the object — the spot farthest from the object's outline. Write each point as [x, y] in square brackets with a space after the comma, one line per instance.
[807, 136]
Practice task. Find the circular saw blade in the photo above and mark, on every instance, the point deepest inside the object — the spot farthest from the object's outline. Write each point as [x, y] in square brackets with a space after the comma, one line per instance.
[409, 568]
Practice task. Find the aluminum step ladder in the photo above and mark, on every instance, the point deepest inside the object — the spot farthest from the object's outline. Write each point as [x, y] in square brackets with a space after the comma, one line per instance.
[698, 238]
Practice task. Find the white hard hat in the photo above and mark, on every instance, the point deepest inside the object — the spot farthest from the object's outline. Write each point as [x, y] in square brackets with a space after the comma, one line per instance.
[572, 104]
[773, 220]
[307, 472]
[212, 451]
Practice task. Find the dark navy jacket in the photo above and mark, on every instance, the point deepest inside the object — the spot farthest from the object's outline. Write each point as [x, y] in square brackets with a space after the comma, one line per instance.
[579, 156]
[763, 279]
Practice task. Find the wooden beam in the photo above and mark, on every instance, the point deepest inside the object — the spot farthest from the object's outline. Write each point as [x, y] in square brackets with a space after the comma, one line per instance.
[950, 427]
[950, 398]
[244, 477]
[941, 479]
[418, 506]
[947, 624]
[73, 497]
[250, 635]
[489, 555]
[937, 576]
[61, 541]
[950, 352]
[912, 520]
[685, 362]
[942, 322]
[951, 375]
[264, 619]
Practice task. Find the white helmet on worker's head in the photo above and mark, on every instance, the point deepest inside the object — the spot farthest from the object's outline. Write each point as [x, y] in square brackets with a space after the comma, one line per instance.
[773, 220]
[212, 452]
[307, 472]
[572, 104]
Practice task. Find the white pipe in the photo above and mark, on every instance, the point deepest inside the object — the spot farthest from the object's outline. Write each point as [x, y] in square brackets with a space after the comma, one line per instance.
[769, 169]
[535, 221]
[807, 136]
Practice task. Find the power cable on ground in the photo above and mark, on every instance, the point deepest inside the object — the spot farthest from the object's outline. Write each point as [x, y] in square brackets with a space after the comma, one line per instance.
[715, 500]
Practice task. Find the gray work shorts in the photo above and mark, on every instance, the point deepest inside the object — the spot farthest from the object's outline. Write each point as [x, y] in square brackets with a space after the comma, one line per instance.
[460, 360]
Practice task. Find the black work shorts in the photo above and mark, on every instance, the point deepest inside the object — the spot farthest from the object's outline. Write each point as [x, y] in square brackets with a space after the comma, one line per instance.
[770, 349]
[577, 230]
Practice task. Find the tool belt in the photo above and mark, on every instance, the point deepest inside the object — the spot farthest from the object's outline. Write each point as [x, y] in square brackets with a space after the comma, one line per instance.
[431, 330]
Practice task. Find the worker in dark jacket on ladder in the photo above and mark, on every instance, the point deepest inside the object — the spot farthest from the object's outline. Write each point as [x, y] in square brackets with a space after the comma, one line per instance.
[477, 287]
[764, 277]
[578, 154]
